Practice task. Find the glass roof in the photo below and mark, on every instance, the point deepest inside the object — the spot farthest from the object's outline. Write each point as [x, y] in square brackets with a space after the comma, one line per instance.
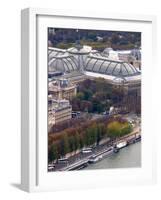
[62, 60]
[110, 67]
[63, 64]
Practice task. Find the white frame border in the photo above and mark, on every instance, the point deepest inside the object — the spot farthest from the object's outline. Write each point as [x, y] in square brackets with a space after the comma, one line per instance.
[29, 135]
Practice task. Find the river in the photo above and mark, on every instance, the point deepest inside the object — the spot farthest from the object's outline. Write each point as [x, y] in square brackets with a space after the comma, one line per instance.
[127, 157]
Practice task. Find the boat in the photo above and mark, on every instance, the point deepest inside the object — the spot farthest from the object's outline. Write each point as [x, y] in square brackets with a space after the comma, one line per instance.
[121, 145]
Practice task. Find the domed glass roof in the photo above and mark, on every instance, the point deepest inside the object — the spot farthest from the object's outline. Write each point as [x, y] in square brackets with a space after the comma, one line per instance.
[55, 52]
[64, 63]
[105, 66]
[91, 63]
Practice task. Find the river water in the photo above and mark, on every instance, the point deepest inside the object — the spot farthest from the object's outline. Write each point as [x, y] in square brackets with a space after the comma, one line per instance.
[127, 157]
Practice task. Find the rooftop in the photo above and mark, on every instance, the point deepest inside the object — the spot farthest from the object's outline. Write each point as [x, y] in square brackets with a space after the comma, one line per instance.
[86, 61]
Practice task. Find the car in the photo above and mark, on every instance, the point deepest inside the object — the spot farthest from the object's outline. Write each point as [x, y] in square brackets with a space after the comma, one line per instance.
[63, 160]
[87, 150]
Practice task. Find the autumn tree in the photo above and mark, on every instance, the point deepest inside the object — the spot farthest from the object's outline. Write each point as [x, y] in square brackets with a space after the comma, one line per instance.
[117, 129]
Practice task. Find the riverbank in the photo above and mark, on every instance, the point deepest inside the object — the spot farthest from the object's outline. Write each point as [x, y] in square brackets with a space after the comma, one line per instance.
[82, 160]
[128, 157]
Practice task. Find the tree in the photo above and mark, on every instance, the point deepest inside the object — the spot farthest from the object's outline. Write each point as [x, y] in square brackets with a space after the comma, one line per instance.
[91, 135]
[82, 142]
[92, 35]
[77, 141]
[95, 105]
[87, 94]
[64, 145]
[126, 129]
[93, 132]
[99, 133]
[71, 143]
[87, 138]
[117, 129]
[114, 129]
[115, 38]
[80, 95]
[53, 153]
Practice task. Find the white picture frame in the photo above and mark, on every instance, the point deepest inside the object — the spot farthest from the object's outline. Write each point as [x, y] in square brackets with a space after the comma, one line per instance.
[33, 125]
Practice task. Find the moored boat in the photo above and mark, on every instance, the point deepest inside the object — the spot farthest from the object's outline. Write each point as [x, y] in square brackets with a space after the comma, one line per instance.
[121, 144]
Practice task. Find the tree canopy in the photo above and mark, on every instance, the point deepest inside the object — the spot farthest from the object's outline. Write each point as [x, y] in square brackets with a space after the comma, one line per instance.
[90, 133]
[117, 129]
[94, 96]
